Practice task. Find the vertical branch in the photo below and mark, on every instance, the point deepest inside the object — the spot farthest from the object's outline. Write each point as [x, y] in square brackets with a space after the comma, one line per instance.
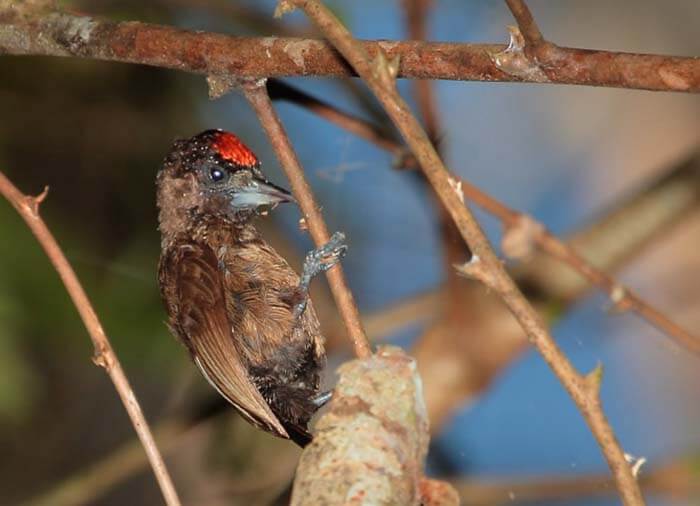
[28, 208]
[380, 76]
[256, 93]
[528, 27]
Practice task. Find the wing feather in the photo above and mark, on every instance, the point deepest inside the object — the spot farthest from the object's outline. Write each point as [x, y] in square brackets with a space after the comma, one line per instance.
[203, 320]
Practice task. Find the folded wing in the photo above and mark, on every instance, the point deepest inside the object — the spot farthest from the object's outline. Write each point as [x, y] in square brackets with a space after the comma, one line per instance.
[202, 318]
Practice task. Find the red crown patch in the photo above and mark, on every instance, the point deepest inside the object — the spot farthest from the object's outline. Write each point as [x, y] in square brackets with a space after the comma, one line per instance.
[231, 149]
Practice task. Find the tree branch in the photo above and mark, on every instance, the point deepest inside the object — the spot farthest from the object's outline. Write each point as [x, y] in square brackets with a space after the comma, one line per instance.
[258, 98]
[526, 22]
[372, 442]
[676, 479]
[522, 232]
[379, 74]
[60, 34]
[28, 208]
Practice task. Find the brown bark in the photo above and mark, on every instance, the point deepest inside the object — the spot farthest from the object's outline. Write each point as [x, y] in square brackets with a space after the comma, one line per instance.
[211, 54]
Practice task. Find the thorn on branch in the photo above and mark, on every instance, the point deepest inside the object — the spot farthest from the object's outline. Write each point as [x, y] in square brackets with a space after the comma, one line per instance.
[33, 203]
[593, 380]
[457, 187]
[514, 62]
[636, 463]
[520, 237]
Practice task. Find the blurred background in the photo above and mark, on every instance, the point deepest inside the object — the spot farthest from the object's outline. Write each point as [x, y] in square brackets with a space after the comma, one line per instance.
[616, 169]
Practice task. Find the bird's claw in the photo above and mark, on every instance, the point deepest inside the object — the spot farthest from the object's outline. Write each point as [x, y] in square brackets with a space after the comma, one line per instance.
[317, 261]
[324, 257]
[321, 399]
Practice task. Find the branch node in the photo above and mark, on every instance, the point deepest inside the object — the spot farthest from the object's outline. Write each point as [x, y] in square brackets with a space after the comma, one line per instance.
[403, 158]
[514, 62]
[476, 269]
[384, 69]
[593, 380]
[220, 85]
[619, 299]
[102, 358]
[520, 237]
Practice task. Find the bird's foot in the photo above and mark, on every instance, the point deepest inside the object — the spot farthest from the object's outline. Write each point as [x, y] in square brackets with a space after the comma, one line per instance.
[321, 399]
[317, 261]
[323, 258]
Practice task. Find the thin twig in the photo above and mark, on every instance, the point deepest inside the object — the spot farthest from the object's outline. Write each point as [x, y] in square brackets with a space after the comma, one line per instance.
[256, 93]
[624, 298]
[676, 479]
[526, 23]
[380, 75]
[60, 34]
[28, 208]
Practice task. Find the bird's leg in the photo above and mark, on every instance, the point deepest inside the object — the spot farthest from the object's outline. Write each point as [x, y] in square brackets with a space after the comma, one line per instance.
[320, 400]
[317, 261]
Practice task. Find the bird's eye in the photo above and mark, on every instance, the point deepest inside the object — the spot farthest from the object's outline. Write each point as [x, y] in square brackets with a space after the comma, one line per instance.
[216, 175]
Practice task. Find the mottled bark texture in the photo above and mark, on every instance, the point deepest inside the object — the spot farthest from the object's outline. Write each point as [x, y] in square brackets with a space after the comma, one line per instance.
[24, 31]
[371, 444]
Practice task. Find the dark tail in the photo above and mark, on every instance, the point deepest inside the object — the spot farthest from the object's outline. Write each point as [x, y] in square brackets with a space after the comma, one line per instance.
[298, 434]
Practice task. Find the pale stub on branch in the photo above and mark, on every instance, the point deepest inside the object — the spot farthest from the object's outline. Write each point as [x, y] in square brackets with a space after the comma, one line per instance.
[370, 447]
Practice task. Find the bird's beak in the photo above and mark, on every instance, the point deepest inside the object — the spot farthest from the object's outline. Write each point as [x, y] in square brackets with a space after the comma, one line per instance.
[260, 193]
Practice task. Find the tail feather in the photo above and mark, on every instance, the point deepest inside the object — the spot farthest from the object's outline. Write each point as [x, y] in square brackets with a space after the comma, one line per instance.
[300, 435]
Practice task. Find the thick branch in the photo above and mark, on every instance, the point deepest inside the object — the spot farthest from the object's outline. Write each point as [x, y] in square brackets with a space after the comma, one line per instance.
[256, 93]
[58, 34]
[28, 208]
[485, 265]
[372, 442]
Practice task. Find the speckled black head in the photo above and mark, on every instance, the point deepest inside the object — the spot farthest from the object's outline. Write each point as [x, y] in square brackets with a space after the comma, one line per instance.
[215, 149]
[213, 173]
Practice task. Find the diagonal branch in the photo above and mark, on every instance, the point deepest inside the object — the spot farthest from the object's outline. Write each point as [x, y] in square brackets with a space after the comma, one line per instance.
[257, 96]
[61, 34]
[380, 75]
[516, 224]
[28, 208]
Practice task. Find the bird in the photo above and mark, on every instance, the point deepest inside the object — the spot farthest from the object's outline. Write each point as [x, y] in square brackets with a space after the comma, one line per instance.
[237, 306]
